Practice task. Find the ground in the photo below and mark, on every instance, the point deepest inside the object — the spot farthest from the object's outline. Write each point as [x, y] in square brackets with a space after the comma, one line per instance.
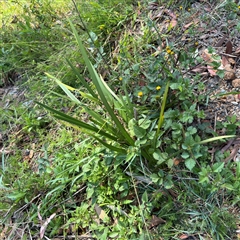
[209, 31]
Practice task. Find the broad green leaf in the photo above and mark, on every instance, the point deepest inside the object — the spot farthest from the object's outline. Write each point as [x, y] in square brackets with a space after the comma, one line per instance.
[228, 186]
[131, 125]
[185, 155]
[170, 163]
[127, 201]
[154, 177]
[203, 179]
[144, 123]
[168, 184]
[217, 167]
[190, 163]
[113, 234]
[159, 156]
[139, 132]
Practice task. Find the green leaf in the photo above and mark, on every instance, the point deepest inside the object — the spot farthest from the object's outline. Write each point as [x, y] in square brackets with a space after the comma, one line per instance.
[113, 234]
[159, 156]
[175, 86]
[144, 123]
[101, 122]
[85, 84]
[217, 167]
[228, 186]
[161, 116]
[186, 117]
[203, 179]
[170, 163]
[154, 177]
[139, 132]
[145, 197]
[109, 146]
[168, 184]
[191, 130]
[131, 125]
[190, 163]
[16, 196]
[127, 201]
[65, 88]
[185, 155]
[76, 122]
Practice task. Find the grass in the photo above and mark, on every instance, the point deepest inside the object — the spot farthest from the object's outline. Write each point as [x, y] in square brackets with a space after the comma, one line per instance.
[125, 153]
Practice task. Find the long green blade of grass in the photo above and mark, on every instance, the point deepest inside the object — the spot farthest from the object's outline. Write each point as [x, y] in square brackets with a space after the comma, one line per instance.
[65, 88]
[104, 94]
[98, 119]
[77, 122]
[85, 84]
[161, 116]
[215, 139]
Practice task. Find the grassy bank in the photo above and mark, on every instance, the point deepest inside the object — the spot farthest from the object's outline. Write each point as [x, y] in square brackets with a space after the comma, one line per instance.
[103, 128]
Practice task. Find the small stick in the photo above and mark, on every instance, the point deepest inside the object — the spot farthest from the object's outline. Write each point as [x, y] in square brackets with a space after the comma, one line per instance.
[226, 147]
[233, 153]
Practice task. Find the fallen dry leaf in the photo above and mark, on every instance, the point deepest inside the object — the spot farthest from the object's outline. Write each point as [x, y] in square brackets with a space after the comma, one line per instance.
[237, 51]
[221, 41]
[213, 72]
[170, 13]
[229, 47]
[229, 73]
[176, 162]
[31, 154]
[100, 212]
[184, 236]
[198, 69]
[173, 23]
[153, 6]
[236, 83]
[224, 61]
[5, 151]
[185, 27]
[207, 56]
[155, 221]
[159, 14]
[237, 97]
[232, 61]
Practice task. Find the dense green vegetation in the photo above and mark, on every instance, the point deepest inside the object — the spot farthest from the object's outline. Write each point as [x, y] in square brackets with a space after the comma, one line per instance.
[103, 134]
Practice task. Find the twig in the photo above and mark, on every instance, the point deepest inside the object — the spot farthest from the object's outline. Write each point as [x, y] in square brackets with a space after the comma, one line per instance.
[226, 147]
[26, 205]
[233, 153]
